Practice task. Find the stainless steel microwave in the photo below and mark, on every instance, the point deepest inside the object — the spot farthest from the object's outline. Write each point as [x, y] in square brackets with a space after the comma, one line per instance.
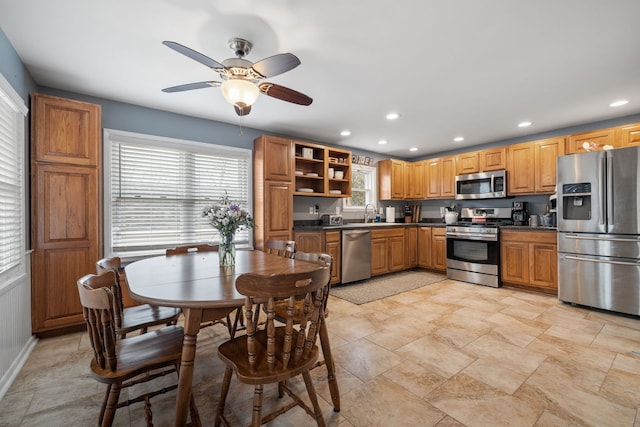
[484, 185]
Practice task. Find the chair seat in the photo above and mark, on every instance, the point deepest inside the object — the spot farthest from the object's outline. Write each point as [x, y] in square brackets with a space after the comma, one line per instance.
[143, 316]
[138, 354]
[234, 353]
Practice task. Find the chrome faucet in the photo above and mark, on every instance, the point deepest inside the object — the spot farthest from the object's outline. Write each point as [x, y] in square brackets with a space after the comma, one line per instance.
[367, 218]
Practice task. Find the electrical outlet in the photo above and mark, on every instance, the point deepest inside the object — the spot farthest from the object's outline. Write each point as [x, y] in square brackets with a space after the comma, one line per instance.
[317, 210]
[311, 210]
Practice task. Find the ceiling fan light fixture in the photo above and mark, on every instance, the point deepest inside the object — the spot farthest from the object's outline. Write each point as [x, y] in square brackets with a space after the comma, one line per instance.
[240, 92]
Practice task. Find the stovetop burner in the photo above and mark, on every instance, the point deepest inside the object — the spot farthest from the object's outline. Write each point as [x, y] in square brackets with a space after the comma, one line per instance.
[485, 217]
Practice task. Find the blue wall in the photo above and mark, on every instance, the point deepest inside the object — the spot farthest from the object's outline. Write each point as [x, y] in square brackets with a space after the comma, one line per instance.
[13, 70]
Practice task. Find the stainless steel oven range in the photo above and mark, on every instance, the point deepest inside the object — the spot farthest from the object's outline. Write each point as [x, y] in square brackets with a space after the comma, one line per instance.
[473, 245]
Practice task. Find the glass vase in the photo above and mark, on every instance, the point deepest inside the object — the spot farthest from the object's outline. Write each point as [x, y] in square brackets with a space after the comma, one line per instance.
[227, 251]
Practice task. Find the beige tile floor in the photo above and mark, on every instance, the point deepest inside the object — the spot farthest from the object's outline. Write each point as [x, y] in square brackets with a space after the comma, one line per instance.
[448, 354]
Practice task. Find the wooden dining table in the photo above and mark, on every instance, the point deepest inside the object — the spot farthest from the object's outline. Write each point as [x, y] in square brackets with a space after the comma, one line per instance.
[204, 291]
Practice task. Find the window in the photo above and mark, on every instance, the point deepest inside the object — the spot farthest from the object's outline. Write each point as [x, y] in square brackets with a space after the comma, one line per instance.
[12, 184]
[363, 188]
[158, 187]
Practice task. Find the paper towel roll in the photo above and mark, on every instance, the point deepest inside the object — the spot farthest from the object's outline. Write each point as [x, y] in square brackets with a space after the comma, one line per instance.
[391, 214]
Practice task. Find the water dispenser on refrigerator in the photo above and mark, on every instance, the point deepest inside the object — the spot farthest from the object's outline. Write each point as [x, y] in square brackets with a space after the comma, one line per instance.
[576, 201]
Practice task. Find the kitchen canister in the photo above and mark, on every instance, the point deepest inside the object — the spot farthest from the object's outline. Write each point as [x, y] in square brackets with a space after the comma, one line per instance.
[534, 221]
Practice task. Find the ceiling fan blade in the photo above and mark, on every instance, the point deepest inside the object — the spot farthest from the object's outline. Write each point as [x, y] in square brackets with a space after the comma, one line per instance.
[285, 94]
[196, 56]
[242, 111]
[191, 86]
[276, 64]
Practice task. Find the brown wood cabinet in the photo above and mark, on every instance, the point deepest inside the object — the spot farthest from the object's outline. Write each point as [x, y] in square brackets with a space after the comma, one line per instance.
[66, 221]
[322, 242]
[468, 163]
[493, 159]
[529, 259]
[272, 197]
[546, 154]
[630, 135]
[424, 247]
[448, 177]
[391, 180]
[439, 249]
[440, 177]
[333, 247]
[432, 248]
[415, 180]
[311, 176]
[309, 241]
[387, 250]
[531, 166]
[520, 169]
[411, 247]
[599, 138]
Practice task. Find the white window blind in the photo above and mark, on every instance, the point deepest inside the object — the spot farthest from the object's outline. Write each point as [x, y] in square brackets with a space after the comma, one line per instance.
[158, 188]
[12, 183]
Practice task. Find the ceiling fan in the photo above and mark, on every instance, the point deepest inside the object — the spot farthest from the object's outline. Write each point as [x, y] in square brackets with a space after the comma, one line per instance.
[240, 77]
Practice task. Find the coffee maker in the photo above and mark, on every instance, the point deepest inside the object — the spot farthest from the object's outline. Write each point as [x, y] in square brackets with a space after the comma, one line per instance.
[519, 213]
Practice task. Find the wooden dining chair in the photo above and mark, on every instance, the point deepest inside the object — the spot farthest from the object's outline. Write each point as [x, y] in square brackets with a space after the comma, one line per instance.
[186, 249]
[280, 315]
[121, 363]
[138, 317]
[285, 248]
[277, 353]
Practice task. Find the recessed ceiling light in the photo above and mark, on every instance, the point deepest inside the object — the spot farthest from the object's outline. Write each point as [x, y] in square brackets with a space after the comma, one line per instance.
[619, 103]
[524, 124]
[345, 133]
[392, 116]
[413, 149]
[382, 142]
[458, 139]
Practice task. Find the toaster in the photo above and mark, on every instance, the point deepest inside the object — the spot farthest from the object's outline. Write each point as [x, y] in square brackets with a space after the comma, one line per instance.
[331, 219]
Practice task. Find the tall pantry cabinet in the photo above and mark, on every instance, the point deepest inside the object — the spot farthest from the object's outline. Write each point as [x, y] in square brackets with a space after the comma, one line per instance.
[66, 222]
[272, 189]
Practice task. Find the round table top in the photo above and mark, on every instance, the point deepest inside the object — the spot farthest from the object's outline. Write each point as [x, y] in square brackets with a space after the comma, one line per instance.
[197, 280]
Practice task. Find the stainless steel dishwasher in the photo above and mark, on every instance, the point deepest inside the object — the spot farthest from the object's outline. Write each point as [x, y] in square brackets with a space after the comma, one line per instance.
[356, 255]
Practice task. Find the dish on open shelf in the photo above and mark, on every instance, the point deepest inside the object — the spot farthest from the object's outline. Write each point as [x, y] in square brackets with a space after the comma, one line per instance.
[312, 175]
[305, 190]
[335, 192]
[299, 173]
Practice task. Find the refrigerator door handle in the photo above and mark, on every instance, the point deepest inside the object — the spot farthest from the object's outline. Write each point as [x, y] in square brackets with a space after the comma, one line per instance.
[602, 201]
[608, 239]
[577, 258]
[610, 197]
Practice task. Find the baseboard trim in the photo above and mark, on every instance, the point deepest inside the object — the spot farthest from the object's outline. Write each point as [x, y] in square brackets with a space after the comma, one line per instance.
[13, 371]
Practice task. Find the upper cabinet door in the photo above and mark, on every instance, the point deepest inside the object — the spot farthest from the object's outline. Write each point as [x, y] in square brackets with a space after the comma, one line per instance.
[68, 131]
[547, 152]
[467, 163]
[596, 140]
[630, 135]
[277, 154]
[493, 159]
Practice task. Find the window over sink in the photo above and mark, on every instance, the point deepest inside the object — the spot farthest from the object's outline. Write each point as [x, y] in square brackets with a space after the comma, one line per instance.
[363, 189]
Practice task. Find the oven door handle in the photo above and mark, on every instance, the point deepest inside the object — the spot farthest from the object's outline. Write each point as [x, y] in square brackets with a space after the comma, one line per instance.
[473, 236]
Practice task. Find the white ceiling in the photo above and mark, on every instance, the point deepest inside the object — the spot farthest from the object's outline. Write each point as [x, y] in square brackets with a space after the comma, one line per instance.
[452, 68]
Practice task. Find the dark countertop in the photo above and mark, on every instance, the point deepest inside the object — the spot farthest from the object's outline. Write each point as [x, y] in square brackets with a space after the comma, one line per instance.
[315, 226]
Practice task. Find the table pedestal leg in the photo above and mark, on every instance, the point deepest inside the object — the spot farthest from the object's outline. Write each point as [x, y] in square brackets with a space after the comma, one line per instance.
[192, 320]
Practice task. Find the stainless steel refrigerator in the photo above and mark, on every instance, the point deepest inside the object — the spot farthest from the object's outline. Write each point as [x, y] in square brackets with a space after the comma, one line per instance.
[599, 229]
